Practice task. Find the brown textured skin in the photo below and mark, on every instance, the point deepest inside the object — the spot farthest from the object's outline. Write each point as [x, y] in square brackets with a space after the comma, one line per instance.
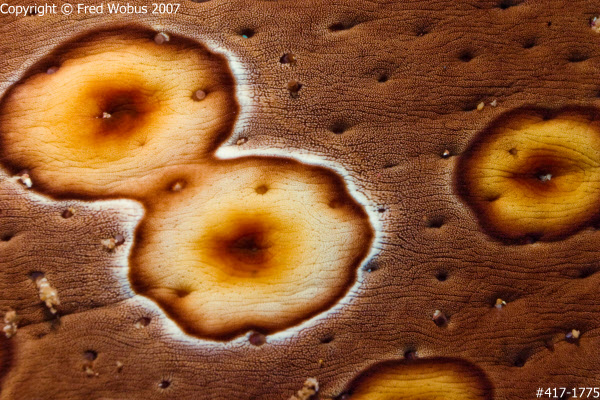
[395, 132]
[36, 238]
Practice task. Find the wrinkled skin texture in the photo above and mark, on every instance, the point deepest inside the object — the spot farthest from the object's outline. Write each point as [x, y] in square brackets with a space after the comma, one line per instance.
[386, 89]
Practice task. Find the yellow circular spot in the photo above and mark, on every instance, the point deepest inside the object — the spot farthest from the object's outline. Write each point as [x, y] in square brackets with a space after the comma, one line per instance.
[434, 379]
[531, 176]
[250, 260]
[117, 107]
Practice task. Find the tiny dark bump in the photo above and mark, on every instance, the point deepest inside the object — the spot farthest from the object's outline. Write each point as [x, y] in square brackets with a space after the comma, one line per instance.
[90, 355]
[339, 26]
[143, 321]
[521, 358]
[327, 339]
[338, 128]
[247, 33]
[505, 4]
[288, 58]
[410, 354]
[257, 339]
[422, 30]
[294, 87]
[519, 362]
[576, 57]
[35, 275]
[586, 272]
[6, 237]
[164, 384]
[472, 106]
[382, 78]
[381, 210]
[441, 276]
[119, 239]
[435, 222]
[570, 338]
[440, 319]
[67, 213]
[529, 43]
[465, 56]
[372, 266]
